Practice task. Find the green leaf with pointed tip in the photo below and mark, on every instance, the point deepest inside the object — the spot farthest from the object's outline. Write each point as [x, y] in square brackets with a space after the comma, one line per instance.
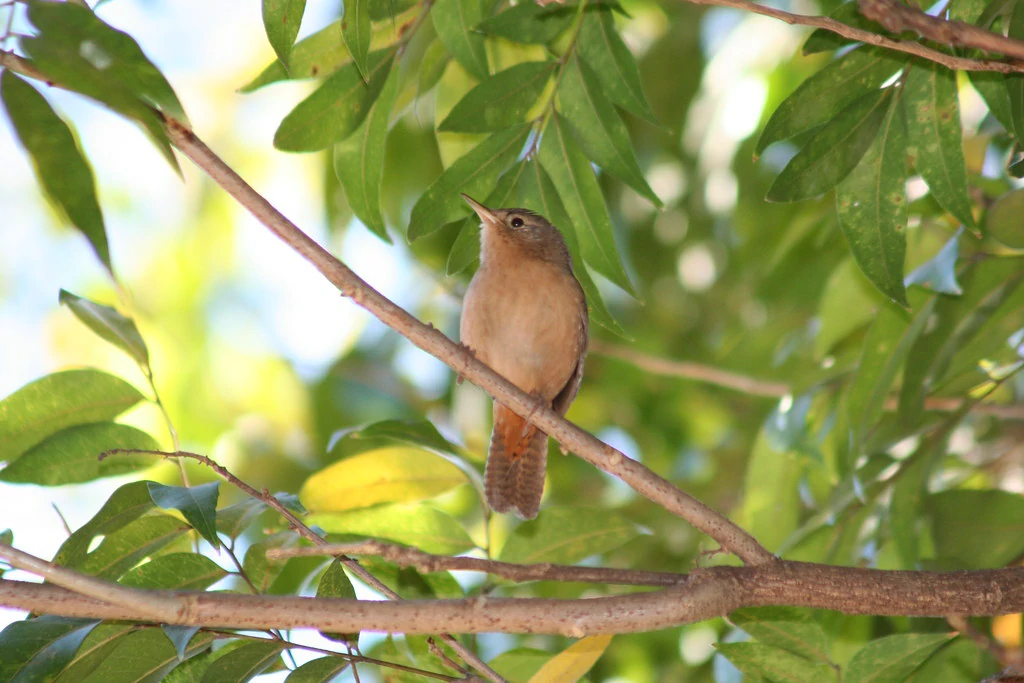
[598, 127]
[939, 273]
[977, 529]
[198, 504]
[529, 22]
[71, 456]
[61, 168]
[126, 547]
[936, 146]
[124, 506]
[538, 193]
[501, 100]
[871, 201]
[318, 54]
[825, 94]
[245, 662]
[235, 519]
[785, 627]
[175, 571]
[566, 535]
[281, 20]
[335, 584]
[261, 570]
[991, 85]
[466, 248]
[336, 108]
[583, 200]
[54, 402]
[475, 173]
[760, 661]
[180, 635]
[832, 152]
[359, 160]
[109, 324]
[356, 29]
[893, 658]
[414, 524]
[602, 48]
[454, 21]
[416, 432]
[38, 649]
[432, 66]
[322, 670]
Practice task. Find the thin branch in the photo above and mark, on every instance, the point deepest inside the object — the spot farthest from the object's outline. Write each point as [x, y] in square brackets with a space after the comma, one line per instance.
[706, 593]
[428, 563]
[1010, 659]
[668, 367]
[863, 36]
[295, 523]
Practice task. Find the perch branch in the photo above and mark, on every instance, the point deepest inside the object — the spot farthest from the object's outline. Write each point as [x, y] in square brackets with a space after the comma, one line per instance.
[428, 563]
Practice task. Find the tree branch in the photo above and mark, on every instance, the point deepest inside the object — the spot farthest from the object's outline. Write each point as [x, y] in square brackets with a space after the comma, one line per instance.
[906, 46]
[429, 563]
[704, 594]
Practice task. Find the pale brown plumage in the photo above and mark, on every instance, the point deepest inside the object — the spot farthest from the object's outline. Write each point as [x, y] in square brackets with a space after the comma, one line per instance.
[525, 316]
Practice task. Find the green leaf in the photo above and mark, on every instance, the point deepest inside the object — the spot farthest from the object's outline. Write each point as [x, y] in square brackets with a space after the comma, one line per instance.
[37, 649]
[336, 584]
[71, 455]
[97, 646]
[336, 108]
[1015, 82]
[74, 48]
[1003, 219]
[281, 20]
[785, 627]
[598, 127]
[991, 85]
[583, 200]
[538, 193]
[432, 66]
[198, 504]
[892, 658]
[825, 94]
[123, 549]
[359, 160]
[454, 21]
[566, 535]
[602, 48]
[175, 571]
[180, 636]
[124, 506]
[318, 54]
[466, 249]
[833, 152]
[245, 662]
[61, 168]
[144, 655]
[936, 146]
[356, 29]
[415, 432]
[261, 570]
[529, 22]
[322, 670]
[64, 399]
[938, 274]
[501, 100]
[110, 325]
[872, 202]
[519, 664]
[417, 525]
[475, 173]
[758, 661]
[977, 529]
[235, 519]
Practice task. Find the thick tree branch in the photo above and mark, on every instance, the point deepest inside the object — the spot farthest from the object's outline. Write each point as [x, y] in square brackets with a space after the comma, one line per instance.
[426, 562]
[704, 594]
[860, 35]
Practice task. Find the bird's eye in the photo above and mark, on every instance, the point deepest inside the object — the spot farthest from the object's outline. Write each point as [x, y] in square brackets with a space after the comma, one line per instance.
[517, 222]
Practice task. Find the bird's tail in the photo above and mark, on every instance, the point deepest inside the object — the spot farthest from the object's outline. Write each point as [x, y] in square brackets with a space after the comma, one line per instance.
[514, 477]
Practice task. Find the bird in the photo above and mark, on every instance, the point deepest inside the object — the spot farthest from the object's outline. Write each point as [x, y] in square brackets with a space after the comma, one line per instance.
[525, 316]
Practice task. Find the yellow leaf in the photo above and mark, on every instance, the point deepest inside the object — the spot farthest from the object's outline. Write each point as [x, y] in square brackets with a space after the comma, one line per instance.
[385, 475]
[569, 665]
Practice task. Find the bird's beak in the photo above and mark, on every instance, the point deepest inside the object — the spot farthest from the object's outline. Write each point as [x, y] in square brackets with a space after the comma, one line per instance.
[486, 215]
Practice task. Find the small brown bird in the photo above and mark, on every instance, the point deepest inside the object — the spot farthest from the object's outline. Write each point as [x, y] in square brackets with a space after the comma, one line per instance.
[524, 315]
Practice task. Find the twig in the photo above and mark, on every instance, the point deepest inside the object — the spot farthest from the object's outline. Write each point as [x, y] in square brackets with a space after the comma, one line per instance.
[860, 35]
[1010, 659]
[427, 563]
[668, 367]
[311, 536]
[706, 593]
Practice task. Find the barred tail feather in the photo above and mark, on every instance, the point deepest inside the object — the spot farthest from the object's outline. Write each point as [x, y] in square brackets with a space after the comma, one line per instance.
[516, 462]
